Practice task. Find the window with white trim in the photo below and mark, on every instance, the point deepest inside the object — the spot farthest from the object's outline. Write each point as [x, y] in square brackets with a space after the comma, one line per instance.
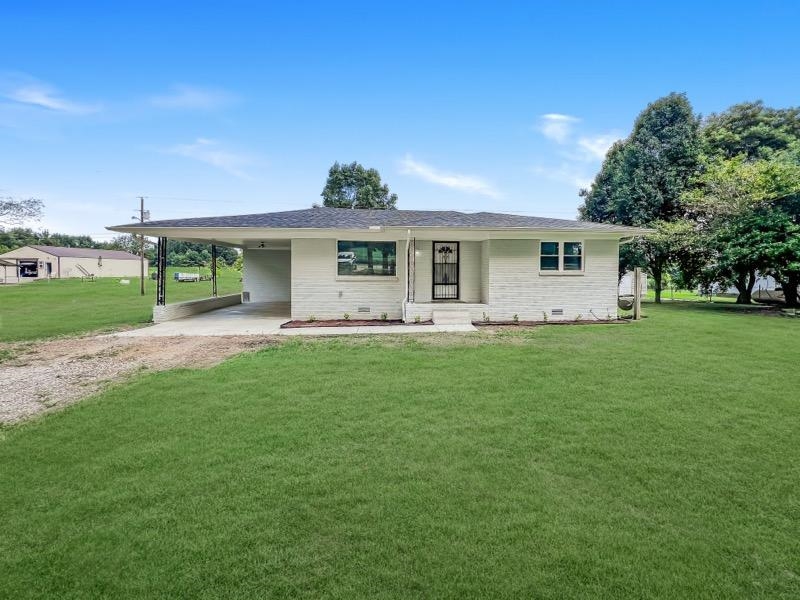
[366, 258]
[561, 256]
[549, 256]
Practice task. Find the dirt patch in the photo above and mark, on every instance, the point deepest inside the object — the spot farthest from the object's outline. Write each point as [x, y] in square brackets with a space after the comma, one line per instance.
[349, 323]
[41, 376]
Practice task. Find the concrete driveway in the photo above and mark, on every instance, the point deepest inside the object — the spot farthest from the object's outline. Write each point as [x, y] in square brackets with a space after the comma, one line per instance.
[266, 319]
[243, 319]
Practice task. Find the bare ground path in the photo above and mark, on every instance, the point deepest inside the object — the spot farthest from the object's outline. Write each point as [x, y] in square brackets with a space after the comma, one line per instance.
[36, 377]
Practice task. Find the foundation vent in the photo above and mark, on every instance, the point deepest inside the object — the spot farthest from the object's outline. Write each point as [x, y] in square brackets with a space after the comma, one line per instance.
[245, 296]
[557, 312]
[363, 309]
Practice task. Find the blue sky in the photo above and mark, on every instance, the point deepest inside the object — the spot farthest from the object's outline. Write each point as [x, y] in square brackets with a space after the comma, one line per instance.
[232, 107]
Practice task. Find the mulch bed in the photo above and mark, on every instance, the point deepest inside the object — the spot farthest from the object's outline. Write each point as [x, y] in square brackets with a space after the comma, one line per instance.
[538, 323]
[349, 323]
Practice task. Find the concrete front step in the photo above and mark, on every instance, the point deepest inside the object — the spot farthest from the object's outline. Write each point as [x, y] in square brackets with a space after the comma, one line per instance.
[451, 316]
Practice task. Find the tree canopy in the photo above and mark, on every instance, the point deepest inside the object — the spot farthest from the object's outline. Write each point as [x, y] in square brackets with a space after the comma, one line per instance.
[644, 177]
[723, 195]
[750, 129]
[179, 254]
[354, 186]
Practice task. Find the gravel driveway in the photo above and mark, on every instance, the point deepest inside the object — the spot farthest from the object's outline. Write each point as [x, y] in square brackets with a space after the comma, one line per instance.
[47, 375]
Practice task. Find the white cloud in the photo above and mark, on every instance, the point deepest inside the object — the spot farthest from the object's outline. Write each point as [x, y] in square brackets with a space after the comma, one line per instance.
[579, 153]
[210, 152]
[456, 181]
[557, 127]
[596, 147]
[29, 91]
[193, 98]
[565, 173]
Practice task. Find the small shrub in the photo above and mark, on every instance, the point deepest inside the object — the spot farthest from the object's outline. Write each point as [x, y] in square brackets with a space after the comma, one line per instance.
[384, 316]
[515, 318]
[311, 318]
[417, 319]
[346, 316]
[578, 317]
[544, 316]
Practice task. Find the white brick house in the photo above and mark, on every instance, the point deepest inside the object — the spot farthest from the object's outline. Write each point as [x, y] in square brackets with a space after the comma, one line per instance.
[408, 264]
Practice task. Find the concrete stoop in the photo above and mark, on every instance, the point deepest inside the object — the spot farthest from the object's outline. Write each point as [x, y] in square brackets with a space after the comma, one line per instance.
[451, 316]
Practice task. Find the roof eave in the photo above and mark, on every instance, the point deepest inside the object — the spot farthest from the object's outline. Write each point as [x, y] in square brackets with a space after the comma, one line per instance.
[622, 231]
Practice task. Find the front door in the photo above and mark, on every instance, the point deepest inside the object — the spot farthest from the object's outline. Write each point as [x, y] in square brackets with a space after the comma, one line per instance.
[445, 271]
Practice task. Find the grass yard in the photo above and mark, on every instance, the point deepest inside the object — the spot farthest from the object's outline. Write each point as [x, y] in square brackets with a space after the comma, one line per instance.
[650, 460]
[68, 306]
[689, 295]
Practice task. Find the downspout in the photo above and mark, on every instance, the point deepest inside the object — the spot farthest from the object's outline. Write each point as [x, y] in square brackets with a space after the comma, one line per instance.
[408, 249]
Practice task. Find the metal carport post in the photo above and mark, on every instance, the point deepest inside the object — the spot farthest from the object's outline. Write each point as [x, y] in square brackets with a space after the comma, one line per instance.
[161, 272]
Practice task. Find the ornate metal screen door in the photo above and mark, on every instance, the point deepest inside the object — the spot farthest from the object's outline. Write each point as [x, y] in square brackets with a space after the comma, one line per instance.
[445, 271]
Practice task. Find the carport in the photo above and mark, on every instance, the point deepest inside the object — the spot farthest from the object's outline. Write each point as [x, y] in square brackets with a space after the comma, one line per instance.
[257, 318]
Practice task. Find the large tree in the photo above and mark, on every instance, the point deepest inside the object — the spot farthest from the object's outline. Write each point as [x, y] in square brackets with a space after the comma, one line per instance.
[354, 186]
[750, 129]
[643, 179]
[745, 196]
[744, 210]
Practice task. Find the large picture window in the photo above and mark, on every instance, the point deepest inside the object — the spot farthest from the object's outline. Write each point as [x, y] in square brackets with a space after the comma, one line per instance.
[366, 258]
[561, 256]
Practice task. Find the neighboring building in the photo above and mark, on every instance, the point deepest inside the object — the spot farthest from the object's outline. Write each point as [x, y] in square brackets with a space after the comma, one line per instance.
[29, 263]
[764, 283]
[626, 287]
[325, 262]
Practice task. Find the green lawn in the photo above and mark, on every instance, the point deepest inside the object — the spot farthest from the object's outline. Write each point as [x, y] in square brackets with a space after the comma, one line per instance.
[657, 459]
[688, 295]
[69, 306]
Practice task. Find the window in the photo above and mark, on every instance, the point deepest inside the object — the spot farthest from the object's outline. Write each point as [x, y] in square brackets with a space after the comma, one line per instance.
[366, 258]
[573, 256]
[561, 256]
[548, 260]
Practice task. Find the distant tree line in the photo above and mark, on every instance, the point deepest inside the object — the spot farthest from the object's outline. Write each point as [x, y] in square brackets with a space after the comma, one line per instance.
[721, 192]
[179, 254]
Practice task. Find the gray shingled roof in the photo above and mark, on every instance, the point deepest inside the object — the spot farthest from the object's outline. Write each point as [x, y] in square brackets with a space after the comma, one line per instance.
[346, 218]
[85, 252]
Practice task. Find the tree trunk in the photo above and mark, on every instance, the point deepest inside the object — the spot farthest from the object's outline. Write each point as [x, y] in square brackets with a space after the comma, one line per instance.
[745, 280]
[657, 284]
[790, 290]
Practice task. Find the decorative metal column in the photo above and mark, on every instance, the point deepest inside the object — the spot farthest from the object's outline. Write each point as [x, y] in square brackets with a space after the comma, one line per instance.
[213, 270]
[412, 264]
[161, 272]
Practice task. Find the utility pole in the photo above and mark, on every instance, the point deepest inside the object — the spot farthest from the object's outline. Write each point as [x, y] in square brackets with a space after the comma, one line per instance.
[144, 215]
